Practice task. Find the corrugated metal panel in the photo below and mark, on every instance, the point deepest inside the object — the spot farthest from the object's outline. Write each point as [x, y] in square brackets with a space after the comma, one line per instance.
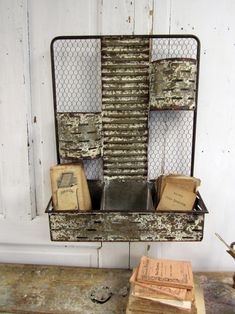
[125, 97]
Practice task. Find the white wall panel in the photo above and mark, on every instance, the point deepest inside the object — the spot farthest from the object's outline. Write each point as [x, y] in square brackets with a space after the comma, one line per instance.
[55, 255]
[15, 119]
[116, 17]
[114, 255]
[26, 115]
[161, 16]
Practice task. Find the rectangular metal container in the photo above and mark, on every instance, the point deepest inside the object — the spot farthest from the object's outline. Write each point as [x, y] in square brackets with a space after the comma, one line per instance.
[125, 225]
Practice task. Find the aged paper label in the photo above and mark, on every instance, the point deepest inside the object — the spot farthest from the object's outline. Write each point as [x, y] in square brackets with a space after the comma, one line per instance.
[67, 198]
[175, 198]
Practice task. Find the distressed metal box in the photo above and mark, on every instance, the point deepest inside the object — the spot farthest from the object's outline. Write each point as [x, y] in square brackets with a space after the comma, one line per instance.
[106, 113]
[114, 225]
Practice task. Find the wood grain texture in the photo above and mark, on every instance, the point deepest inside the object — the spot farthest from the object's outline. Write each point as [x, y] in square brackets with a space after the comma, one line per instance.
[62, 290]
[69, 290]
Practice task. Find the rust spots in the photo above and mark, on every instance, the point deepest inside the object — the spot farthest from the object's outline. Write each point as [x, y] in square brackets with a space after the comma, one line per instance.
[127, 226]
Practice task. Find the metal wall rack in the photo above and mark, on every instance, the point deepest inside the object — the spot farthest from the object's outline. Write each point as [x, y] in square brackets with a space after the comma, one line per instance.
[104, 116]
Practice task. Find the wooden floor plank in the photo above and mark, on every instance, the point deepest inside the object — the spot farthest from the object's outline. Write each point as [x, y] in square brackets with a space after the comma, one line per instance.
[36, 289]
[59, 290]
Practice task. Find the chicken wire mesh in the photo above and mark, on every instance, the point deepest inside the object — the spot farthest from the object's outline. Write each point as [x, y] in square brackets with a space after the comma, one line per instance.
[77, 64]
[174, 47]
[170, 143]
[77, 88]
[77, 79]
[171, 132]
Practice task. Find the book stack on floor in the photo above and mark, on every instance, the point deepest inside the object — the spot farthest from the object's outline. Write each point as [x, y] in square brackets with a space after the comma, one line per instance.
[162, 286]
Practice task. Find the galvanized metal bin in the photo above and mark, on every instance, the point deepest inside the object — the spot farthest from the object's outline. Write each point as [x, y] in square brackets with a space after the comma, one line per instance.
[107, 113]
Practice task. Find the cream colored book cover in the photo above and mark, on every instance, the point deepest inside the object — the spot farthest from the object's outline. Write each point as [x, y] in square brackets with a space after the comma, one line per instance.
[69, 187]
[175, 198]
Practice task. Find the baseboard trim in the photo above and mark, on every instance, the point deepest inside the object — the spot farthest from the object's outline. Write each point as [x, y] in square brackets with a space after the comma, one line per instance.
[48, 255]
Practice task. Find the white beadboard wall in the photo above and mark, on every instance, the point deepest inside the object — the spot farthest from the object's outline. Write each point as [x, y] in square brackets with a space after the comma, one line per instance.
[27, 140]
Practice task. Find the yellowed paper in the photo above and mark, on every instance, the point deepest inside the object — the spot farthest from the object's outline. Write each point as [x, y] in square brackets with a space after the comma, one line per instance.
[166, 272]
[72, 178]
[175, 198]
[152, 290]
[67, 198]
[183, 182]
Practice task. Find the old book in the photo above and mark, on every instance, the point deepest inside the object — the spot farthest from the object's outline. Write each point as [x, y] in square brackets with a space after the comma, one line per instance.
[69, 187]
[143, 306]
[169, 273]
[153, 290]
[149, 294]
[181, 304]
[175, 198]
[184, 182]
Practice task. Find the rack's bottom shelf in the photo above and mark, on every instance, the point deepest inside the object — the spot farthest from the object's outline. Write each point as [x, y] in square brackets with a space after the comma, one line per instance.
[125, 225]
[116, 226]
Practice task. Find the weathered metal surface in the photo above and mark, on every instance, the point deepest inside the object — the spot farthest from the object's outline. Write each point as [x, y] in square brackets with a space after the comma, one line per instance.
[114, 224]
[125, 96]
[79, 135]
[63, 290]
[128, 196]
[126, 226]
[173, 84]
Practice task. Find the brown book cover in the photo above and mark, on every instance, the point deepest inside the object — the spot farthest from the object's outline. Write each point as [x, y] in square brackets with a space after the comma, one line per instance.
[69, 187]
[184, 182]
[152, 293]
[175, 198]
[170, 273]
[153, 290]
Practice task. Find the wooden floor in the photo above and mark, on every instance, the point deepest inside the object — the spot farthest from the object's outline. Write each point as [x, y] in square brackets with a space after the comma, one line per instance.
[53, 289]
